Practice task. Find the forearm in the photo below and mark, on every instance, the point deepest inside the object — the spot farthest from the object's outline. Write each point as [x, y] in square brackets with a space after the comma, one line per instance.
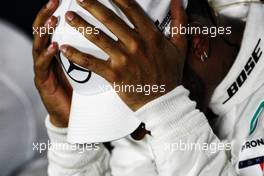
[78, 160]
[173, 121]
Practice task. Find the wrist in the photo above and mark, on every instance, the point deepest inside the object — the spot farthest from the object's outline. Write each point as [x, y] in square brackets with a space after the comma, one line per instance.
[58, 122]
[143, 99]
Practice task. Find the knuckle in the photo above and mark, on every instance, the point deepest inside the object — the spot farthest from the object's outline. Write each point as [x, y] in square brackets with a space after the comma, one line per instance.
[135, 45]
[94, 37]
[89, 4]
[124, 56]
[36, 51]
[120, 62]
[123, 60]
[45, 11]
[36, 48]
[85, 61]
[108, 44]
[107, 18]
[111, 75]
[102, 40]
[115, 76]
[37, 66]
[69, 53]
[128, 4]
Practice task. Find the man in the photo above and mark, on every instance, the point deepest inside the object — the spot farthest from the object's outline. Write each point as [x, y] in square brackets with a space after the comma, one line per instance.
[171, 118]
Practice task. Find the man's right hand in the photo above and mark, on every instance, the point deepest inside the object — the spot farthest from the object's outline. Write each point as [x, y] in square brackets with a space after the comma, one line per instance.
[52, 84]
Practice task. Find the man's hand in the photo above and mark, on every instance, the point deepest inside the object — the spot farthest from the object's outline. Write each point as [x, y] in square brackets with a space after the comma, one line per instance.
[50, 80]
[141, 56]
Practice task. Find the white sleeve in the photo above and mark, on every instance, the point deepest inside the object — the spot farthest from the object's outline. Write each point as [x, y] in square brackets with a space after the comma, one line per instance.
[182, 140]
[75, 160]
[132, 158]
[129, 157]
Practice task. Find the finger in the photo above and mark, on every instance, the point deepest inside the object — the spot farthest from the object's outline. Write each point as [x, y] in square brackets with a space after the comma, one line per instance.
[113, 22]
[137, 16]
[43, 64]
[179, 18]
[40, 42]
[61, 77]
[45, 13]
[87, 61]
[38, 25]
[103, 41]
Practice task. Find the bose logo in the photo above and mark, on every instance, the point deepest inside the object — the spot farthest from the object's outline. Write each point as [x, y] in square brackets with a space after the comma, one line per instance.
[248, 68]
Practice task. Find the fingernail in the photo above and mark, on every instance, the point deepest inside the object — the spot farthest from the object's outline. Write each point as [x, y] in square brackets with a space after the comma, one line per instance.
[50, 4]
[48, 22]
[81, 1]
[64, 48]
[50, 49]
[70, 15]
[52, 46]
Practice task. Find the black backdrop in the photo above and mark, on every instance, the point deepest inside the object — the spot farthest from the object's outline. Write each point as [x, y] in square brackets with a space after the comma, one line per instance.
[21, 13]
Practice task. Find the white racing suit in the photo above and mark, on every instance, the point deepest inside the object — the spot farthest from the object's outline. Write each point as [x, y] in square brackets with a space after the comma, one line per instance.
[182, 142]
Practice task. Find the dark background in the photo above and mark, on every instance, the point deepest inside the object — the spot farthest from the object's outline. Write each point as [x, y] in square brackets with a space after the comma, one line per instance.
[21, 13]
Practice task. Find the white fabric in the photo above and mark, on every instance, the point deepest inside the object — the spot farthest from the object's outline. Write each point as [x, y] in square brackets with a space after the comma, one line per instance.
[236, 117]
[237, 9]
[173, 119]
[184, 124]
[99, 118]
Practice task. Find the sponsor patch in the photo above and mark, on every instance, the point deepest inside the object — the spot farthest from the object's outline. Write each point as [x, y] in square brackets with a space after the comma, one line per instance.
[247, 70]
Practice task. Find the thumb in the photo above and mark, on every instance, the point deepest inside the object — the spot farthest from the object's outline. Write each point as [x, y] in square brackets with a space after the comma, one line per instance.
[178, 19]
